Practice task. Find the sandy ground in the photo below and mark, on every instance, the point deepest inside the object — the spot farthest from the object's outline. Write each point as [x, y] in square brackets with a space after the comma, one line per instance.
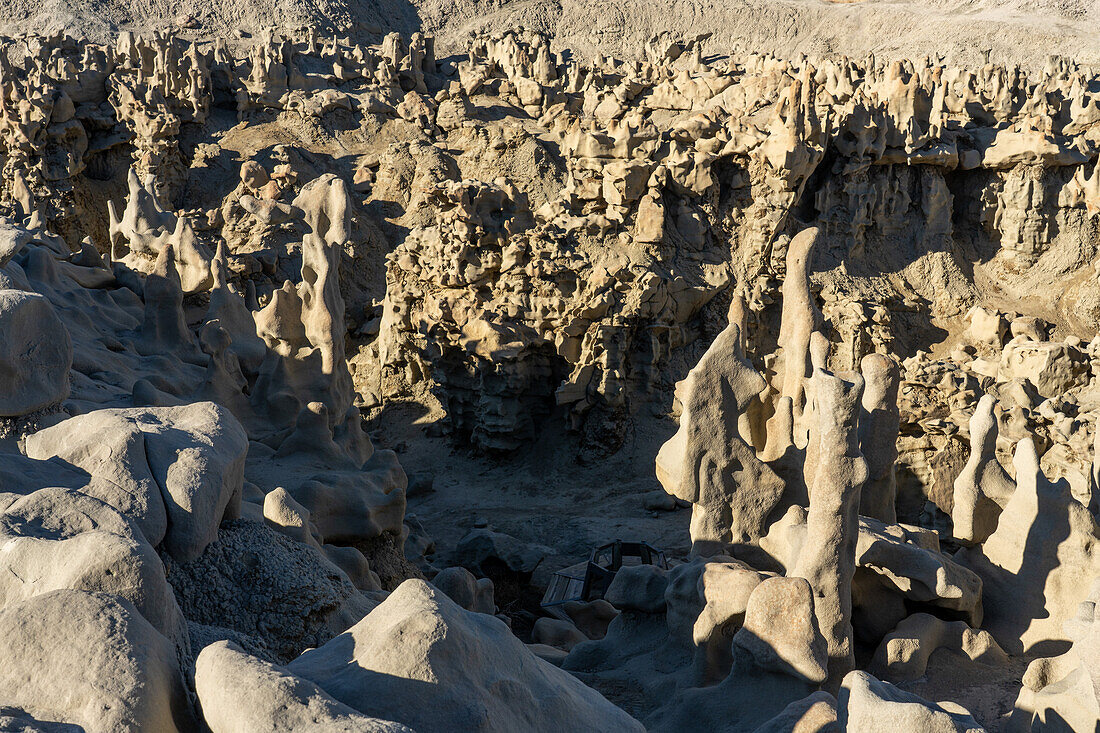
[1022, 31]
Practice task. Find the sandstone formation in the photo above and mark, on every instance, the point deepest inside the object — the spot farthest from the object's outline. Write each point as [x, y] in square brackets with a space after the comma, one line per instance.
[707, 462]
[465, 670]
[843, 311]
[828, 555]
[241, 692]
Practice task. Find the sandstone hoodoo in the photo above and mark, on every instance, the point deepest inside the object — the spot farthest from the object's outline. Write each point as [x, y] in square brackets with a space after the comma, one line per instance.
[331, 348]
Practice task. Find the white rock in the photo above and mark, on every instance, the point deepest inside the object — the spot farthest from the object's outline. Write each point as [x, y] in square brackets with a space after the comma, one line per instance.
[421, 660]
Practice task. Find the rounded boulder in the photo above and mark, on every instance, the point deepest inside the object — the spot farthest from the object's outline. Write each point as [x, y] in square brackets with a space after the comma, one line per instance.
[35, 354]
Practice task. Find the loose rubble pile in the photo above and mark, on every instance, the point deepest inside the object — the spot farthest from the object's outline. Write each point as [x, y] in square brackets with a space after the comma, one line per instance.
[865, 292]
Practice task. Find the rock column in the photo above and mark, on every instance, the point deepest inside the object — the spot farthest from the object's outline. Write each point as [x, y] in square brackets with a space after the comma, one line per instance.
[828, 556]
[879, 420]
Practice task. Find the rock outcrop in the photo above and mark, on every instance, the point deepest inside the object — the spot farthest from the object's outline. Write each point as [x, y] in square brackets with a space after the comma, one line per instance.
[421, 660]
[848, 305]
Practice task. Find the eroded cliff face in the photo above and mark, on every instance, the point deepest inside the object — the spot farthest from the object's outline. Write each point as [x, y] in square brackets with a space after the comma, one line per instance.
[533, 243]
[846, 309]
[936, 190]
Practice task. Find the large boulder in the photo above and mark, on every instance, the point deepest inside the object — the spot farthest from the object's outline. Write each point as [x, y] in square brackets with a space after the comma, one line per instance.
[421, 660]
[110, 446]
[20, 476]
[638, 588]
[907, 560]
[349, 506]
[869, 705]
[35, 354]
[350, 500]
[483, 551]
[1053, 368]
[90, 659]
[905, 652]
[460, 585]
[779, 632]
[239, 693]
[726, 588]
[903, 561]
[176, 471]
[56, 539]
[779, 657]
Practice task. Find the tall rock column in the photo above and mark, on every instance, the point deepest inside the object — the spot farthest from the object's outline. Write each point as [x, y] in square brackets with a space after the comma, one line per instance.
[708, 463]
[1037, 566]
[799, 318]
[983, 487]
[879, 420]
[828, 556]
[325, 203]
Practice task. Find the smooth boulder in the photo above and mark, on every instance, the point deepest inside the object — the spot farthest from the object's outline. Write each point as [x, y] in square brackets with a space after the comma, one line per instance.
[421, 660]
[869, 705]
[36, 354]
[239, 693]
[90, 659]
[57, 539]
[177, 471]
